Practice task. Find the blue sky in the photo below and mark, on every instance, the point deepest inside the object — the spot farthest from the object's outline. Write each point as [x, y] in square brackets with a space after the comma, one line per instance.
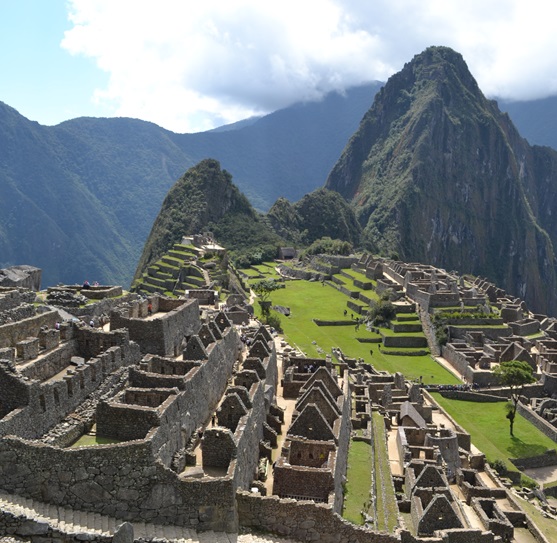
[189, 65]
[40, 79]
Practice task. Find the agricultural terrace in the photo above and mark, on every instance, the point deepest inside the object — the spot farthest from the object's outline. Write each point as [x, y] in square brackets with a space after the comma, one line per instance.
[309, 300]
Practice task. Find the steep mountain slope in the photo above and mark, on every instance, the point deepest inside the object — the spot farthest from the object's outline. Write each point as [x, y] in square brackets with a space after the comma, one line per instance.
[438, 174]
[48, 217]
[78, 199]
[205, 198]
[321, 213]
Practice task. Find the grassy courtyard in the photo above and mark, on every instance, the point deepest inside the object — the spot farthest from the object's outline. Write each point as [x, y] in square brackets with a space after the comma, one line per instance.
[313, 300]
[489, 430]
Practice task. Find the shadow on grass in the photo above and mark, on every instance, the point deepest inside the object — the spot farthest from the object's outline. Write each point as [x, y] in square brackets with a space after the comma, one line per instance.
[519, 449]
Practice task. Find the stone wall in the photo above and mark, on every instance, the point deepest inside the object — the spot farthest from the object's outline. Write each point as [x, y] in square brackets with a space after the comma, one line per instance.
[35, 531]
[540, 423]
[48, 403]
[201, 390]
[456, 332]
[548, 458]
[404, 341]
[162, 336]
[50, 363]
[122, 481]
[304, 521]
[13, 332]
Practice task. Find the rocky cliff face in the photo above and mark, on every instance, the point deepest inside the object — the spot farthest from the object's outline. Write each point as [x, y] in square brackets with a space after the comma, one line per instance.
[438, 174]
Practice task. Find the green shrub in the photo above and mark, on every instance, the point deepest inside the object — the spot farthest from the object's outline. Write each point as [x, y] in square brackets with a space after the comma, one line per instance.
[500, 467]
[272, 319]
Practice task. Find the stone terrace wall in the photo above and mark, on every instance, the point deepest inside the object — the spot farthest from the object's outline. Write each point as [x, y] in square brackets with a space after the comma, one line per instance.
[540, 423]
[302, 521]
[14, 332]
[117, 480]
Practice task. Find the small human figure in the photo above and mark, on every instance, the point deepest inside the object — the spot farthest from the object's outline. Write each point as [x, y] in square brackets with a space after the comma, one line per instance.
[86, 284]
[371, 352]
[92, 323]
[213, 418]
[57, 326]
[345, 311]
[150, 309]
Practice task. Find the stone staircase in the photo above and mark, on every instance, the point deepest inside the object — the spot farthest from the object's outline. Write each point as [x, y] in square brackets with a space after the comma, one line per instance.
[69, 521]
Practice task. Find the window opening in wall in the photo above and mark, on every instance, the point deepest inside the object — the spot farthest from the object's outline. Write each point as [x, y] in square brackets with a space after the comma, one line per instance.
[56, 398]
[70, 388]
[42, 403]
[81, 381]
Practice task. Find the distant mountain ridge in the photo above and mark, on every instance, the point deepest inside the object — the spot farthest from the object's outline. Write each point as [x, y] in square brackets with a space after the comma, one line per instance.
[79, 199]
[439, 175]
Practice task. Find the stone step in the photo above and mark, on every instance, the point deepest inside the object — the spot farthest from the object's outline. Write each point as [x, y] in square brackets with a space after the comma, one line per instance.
[67, 520]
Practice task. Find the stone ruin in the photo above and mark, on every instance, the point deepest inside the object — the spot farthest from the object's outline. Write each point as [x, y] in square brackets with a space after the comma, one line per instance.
[158, 391]
[187, 410]
[312, 464]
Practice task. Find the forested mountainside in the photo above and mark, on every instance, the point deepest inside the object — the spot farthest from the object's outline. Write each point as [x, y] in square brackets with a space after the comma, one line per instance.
[321, 213]
[79, 199]
[205, 199]
[438, 174]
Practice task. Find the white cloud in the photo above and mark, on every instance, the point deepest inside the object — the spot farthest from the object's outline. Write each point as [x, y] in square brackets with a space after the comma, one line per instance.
[190, 65]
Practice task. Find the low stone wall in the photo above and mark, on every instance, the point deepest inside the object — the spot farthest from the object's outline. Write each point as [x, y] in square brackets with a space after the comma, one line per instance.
[304, 521]
[539, 422]
[295, 273]
[100, 293]
[404, 341]
[320, 322]
[101, 307]
[491, 333]
[548, 458]
[471, 396]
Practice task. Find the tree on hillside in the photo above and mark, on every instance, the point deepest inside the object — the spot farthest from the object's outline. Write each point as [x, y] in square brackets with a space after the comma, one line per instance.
[514, 374]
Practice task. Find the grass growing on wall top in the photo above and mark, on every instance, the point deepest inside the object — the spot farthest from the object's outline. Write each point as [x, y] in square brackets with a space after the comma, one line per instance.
[358, 482]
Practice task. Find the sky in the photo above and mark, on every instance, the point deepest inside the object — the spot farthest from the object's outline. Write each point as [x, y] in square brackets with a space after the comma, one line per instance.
[191, 65]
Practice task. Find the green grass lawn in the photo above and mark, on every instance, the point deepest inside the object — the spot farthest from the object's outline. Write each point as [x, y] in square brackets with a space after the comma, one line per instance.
[250, 272]
[308, 300]
[489, 429]
[358, 482]
[385, 498]
[267, 270]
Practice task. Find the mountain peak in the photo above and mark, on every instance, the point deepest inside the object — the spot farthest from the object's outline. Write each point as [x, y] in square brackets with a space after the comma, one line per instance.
[438, 174]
